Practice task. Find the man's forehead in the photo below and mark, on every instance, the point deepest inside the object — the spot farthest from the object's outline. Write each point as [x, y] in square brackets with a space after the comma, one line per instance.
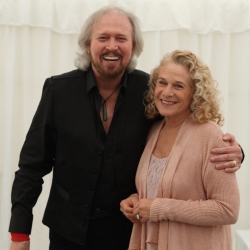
[116, 18]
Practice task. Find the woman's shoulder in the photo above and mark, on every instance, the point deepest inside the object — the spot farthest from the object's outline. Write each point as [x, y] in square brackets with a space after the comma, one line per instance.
[208, 132]
[205, 127]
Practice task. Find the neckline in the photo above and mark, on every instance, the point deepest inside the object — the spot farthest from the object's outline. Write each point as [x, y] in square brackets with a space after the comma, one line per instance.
[165, 158]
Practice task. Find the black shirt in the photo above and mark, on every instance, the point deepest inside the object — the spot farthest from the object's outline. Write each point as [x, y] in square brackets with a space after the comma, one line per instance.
[106, 194]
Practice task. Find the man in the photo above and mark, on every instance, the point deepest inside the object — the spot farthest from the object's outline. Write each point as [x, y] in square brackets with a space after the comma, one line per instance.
[90, 129]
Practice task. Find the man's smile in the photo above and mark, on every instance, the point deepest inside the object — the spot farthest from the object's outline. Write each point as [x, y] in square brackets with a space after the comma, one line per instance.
[111, 58]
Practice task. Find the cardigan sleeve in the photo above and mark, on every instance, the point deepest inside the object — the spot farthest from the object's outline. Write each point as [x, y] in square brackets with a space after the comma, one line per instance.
[220, 206]
[36, 160]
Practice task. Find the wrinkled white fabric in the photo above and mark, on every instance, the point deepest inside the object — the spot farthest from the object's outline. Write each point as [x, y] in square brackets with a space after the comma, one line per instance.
[156, 166]
[197, 16]
[155, 169]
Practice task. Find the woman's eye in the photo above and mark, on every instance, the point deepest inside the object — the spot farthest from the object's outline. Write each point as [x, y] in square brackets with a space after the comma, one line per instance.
[179, 86]
[162, 83]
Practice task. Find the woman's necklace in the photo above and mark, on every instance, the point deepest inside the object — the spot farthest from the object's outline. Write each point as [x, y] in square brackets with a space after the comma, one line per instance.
[104, 107]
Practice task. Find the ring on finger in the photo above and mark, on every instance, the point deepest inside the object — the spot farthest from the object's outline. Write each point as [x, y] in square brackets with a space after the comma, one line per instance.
[234, 163]
[138, 217]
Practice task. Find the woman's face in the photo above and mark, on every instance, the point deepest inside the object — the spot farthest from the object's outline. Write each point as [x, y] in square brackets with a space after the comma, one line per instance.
[173, 91]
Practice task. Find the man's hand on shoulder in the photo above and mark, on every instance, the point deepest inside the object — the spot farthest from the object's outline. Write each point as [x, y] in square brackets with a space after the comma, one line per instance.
[20, 245]
[228, 158]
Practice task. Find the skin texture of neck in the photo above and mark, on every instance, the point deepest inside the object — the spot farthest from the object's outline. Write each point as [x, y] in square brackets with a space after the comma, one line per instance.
[168, 135]
[173, 123]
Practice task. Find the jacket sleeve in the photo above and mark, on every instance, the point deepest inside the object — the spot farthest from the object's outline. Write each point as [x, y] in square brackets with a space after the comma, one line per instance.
[36, 160]
[221, 206]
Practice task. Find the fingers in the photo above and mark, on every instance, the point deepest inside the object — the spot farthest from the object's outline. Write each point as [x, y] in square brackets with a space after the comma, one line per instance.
[226, 160]
[125, 206]
[229, 162]
[141, 218]
[227, 150]
[226, 154]
[230, 138]
[136, 211]
[228, 157]
[229, 167]
[232, 170]
[130, 214]
[136, 218]
[131, 217]
[142, 210]
[128, 204]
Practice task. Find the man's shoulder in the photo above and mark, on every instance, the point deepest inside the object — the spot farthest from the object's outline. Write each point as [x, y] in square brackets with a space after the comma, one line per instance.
[71, 74]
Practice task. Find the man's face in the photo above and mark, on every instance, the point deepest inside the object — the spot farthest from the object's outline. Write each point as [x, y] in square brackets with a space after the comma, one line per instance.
[111, 45]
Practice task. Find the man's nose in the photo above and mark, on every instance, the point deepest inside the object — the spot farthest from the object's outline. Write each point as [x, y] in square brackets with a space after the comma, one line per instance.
[112, 44]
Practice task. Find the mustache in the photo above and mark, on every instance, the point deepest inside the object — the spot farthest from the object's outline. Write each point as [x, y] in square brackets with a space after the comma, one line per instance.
[109, 53]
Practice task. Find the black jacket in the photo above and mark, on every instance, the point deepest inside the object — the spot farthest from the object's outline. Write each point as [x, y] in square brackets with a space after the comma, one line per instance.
[62, 137]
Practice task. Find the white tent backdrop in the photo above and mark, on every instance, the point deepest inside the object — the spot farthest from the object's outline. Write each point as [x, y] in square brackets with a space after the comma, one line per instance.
[39, 39]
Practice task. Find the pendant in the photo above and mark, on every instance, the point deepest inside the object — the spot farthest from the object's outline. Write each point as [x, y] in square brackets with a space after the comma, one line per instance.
[104, 112]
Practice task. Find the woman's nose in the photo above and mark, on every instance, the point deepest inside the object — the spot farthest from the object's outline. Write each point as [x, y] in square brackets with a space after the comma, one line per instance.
[168, 91]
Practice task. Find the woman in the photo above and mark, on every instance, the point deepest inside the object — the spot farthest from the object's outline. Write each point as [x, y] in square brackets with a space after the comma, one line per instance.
[183, 203]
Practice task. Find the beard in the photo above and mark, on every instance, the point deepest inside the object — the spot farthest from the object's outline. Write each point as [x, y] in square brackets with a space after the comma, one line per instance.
[110, 72]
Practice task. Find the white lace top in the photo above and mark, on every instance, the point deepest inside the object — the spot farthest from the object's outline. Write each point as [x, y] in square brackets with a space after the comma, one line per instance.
[156, 167]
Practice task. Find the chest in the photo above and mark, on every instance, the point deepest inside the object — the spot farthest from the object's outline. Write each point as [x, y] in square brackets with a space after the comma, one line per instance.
[187, 179]
[164, 144]
[107, 111]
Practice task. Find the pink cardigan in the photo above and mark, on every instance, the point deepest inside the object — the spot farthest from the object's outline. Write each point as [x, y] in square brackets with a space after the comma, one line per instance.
[195, 202]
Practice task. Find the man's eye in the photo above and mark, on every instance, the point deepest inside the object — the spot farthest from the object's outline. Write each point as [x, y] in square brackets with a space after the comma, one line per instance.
[121, 39]
[102, 38]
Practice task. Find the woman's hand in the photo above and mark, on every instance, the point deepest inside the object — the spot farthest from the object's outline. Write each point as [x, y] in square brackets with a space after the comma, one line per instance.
[142, 210]
[228, 158]
[127, 207]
